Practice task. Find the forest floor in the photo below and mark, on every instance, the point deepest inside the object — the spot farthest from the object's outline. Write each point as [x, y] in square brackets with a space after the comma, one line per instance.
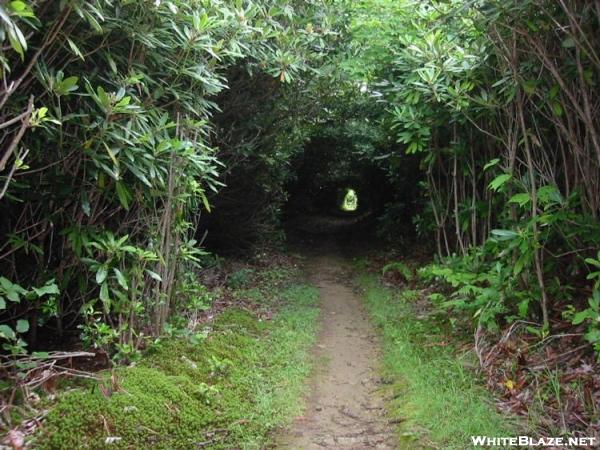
[345, 408]
[384, 372]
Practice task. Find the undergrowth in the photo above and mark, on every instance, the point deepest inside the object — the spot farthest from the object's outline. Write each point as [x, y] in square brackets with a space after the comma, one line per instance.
[438, 399]
[228, 391]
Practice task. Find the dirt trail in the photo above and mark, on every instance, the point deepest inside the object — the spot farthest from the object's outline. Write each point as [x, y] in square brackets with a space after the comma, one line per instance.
[345, 407]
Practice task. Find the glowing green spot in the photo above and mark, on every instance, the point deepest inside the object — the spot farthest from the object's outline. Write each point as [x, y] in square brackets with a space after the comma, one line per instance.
[350, 202]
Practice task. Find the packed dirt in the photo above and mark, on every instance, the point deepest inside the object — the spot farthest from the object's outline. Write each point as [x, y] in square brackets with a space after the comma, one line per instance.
[345, 407]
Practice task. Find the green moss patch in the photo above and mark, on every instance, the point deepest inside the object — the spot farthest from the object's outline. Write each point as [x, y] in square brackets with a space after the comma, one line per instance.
[228, 391]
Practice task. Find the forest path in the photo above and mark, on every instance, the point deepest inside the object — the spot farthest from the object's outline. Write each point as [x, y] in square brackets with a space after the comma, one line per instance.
[345, 407]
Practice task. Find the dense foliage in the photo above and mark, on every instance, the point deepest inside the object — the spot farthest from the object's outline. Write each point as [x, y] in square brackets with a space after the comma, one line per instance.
[498, 100]
[109, 149]
[128, 129]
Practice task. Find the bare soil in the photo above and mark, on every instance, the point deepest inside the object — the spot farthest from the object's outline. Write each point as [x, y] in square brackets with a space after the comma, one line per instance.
[345, 407]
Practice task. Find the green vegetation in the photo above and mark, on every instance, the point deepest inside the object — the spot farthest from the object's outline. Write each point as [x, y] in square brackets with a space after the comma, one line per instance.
[139, 138]
[477, 117]
[438, 399]
[488, 95]
[111, 153]
[231, 389]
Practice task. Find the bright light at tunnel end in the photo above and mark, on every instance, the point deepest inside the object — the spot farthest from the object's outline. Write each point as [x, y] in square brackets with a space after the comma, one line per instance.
[350, 202]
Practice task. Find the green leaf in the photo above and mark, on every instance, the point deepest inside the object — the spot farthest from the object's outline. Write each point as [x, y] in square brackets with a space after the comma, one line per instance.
[7, 332]
[104, 293]
[557, 108]
[123, 102]
[121, 278]
[520, 263]
[205, 201]
[549, 194]
[593, 262]
[75, 49]
[101, 274]
[523, 307]
[103, 99]
[492, 163]
[505, 235]
[22, 326]
[593, 336]
[13, 295]
[582, 316]
[18, 6]
[5, 283]
[49, 288]
[67, 85]
[499, 181]
[123, 194]
[2, 303]
[21, 9]
[521, 199]
[11, 290]
[139, 175]
[17, 40]
[153, 275]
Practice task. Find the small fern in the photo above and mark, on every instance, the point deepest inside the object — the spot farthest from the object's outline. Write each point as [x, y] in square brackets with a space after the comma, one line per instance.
[400, 267]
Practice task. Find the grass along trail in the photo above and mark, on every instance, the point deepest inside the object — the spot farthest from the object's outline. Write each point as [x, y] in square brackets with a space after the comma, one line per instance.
[241, 377]
[345, 408]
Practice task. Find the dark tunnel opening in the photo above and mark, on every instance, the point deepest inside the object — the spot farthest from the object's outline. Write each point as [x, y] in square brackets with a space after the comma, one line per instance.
[328, 179]
[258, 205]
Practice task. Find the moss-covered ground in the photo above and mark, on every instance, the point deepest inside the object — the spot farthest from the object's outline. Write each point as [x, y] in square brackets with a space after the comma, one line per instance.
[437, 397]
[229, 390]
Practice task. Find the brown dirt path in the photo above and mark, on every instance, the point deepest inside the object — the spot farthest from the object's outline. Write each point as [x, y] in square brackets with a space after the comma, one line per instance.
[345, 407]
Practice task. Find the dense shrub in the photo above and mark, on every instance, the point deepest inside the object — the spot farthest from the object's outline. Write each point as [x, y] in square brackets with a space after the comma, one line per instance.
[497, 99]
[109, 151]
